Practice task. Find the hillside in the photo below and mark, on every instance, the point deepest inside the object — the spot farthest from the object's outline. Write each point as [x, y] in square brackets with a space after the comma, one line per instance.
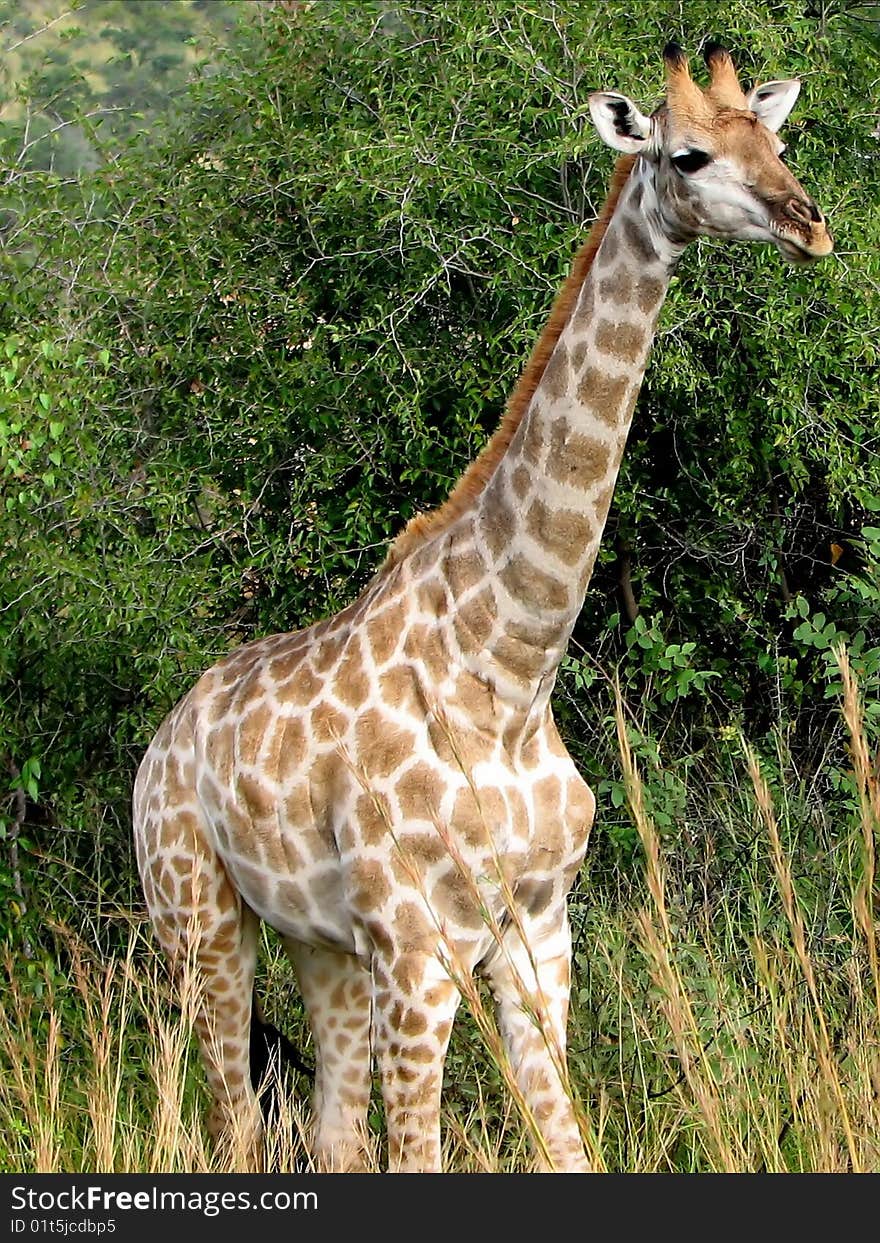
[80, 79]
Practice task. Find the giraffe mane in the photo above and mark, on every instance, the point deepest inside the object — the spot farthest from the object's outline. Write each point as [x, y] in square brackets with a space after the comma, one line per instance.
[426, 526]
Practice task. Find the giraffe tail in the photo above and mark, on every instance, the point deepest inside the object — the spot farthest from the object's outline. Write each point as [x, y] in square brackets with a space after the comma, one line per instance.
[273, 1063]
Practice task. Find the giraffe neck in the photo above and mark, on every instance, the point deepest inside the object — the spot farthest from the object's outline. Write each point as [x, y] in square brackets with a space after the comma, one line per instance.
[538, 522]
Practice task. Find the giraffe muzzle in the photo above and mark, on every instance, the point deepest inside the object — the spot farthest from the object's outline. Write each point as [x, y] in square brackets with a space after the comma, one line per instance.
[802, 230]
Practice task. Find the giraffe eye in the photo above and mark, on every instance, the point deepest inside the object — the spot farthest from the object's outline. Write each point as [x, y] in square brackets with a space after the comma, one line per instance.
[691, 161]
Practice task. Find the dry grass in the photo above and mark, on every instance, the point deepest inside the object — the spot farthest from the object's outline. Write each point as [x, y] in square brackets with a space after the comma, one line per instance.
[728, 1029]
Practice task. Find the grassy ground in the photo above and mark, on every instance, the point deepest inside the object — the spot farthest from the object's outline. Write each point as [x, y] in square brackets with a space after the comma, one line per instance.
[725, 1015]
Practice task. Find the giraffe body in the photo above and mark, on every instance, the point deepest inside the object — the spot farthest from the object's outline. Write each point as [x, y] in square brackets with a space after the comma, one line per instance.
[387, 789]
[252, 753]
[256, 745]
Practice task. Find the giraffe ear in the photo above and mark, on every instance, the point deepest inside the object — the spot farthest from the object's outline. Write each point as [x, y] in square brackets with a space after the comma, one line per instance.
[619, 122]
[771, 102]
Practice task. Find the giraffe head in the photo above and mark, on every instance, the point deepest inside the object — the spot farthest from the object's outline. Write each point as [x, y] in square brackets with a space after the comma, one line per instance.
[715, 158]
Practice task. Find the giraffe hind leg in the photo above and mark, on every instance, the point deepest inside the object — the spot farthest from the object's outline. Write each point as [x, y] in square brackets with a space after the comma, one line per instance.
[210, 938]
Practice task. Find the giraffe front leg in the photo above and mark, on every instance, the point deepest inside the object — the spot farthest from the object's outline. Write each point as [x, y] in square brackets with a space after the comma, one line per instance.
[336, 989]
[414, 1006]
[531, 990]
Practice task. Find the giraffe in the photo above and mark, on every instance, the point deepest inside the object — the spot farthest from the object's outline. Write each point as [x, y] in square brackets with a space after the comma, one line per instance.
[387, 788]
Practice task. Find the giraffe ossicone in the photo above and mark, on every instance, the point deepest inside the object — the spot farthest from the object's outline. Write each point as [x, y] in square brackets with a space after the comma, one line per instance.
[387, 789]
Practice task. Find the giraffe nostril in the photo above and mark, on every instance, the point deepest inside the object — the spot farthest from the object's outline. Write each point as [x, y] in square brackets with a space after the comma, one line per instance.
[801, 210]
[815, 214]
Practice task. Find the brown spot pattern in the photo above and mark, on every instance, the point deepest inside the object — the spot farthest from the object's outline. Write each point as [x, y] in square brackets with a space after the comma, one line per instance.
[521, 481]
[289, 747]
[649, 291]
[533, 586]
[474, 620]
[304, 686]
[259, 799]
[609, 248]
[382, 746]
[383, 631]
[370, 889]
[408, 971]
[285, 665]
[413, 1023]
[524, 661]
[351, 685]
[556, 374]
[423, 849]
[604, 395]
[220, 706]
[530, 630]
[533, 435]
[413, 933]
[638, 241]
[477, 814]
[473, 696]
[372, 820]
[431, 596]
[453, 897]
[423, 642]
[419, 791]
[586, 304]
[464, 571]
[219, 753]
[535, 895]
[625, 342]
[617, 286]
[497, 520]
[397, 686]
[602, 504]
[328, 723]
[325, 654]
[564, 532]
[576, 459]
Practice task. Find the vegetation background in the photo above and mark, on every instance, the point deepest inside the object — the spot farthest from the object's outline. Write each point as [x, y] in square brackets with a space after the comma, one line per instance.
[269, 271]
